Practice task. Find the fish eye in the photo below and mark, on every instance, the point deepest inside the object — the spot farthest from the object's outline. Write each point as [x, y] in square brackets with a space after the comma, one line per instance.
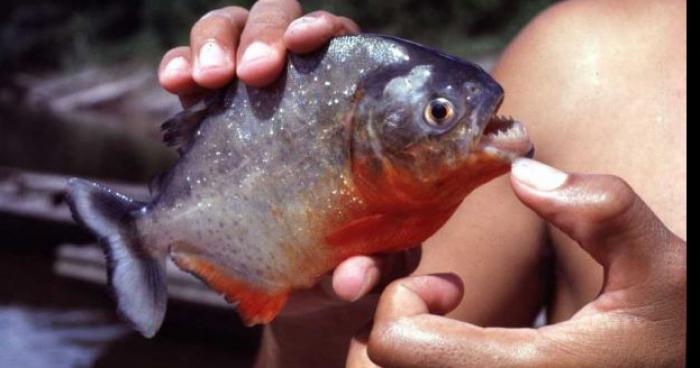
[439, 111]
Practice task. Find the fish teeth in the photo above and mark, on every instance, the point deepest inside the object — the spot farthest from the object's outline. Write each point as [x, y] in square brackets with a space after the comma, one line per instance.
[514, 132]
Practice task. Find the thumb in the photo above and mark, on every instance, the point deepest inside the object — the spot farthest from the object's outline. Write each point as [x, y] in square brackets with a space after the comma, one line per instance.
[604, 215]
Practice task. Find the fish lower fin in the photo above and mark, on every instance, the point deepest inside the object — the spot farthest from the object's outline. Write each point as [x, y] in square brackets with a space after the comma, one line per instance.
[136, 277]
[254, 305]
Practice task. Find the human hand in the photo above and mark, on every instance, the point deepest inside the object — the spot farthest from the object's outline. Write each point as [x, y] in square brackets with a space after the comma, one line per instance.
[251, 45]
[638, 320]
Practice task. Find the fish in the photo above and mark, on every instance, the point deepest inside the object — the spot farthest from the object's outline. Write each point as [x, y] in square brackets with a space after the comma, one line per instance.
[366, 146]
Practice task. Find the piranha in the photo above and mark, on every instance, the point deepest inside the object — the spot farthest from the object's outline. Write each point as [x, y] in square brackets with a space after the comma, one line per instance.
[366, 146]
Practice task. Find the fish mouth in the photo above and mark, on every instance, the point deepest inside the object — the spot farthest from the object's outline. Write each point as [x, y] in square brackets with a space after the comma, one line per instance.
[505, 138]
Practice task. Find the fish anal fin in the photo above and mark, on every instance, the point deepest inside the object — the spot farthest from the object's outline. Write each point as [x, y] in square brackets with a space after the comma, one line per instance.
[254, 305]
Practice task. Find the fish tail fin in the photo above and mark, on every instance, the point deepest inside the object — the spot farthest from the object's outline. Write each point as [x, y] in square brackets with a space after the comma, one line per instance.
[136, 276]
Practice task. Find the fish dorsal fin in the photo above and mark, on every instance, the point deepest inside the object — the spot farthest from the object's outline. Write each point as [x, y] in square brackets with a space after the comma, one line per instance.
[255, 305]
[179, 130]
[155, 185]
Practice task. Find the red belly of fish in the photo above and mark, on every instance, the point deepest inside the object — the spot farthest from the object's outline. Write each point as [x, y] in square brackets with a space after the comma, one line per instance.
[396, 213]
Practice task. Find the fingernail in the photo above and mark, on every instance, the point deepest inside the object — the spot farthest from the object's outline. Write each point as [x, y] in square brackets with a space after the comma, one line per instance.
[211, 55]
[256, 51]
[537, 175]
[370, 279]
[303, 22]
[176, 66]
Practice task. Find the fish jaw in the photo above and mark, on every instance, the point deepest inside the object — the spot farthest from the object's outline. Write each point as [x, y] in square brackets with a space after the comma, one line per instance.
[504, 138]
[402, 212]
[391, 185]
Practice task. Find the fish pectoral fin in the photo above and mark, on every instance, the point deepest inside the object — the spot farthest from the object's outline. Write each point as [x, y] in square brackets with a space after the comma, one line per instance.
[254, 305]
[356, 230]
[385, 232]
[366, 235]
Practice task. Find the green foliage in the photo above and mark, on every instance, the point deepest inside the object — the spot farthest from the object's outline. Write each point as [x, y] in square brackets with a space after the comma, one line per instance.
[47, 33]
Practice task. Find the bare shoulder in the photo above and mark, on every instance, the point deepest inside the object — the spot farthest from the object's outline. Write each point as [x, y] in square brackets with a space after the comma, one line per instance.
[602, 85]
[595, 25]
[576, 50]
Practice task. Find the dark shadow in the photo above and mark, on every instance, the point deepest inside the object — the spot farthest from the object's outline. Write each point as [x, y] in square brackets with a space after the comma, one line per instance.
[78, 313]
[307, 63]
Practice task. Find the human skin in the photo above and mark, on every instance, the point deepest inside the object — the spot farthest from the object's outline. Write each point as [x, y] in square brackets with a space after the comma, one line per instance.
[615, 74]
[601, 88]
[638, 320]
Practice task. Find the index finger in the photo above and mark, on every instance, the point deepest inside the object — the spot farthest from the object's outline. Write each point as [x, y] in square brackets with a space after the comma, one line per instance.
[608, 219]
[311, 31]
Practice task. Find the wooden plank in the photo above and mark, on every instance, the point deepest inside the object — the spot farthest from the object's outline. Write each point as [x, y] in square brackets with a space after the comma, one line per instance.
[41, 195]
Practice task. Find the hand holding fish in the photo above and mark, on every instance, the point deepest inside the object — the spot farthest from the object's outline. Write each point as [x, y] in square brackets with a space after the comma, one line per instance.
[642, 303]
[250, 45]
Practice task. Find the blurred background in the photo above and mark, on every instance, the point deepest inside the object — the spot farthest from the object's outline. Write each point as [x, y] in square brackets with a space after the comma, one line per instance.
[79, 97]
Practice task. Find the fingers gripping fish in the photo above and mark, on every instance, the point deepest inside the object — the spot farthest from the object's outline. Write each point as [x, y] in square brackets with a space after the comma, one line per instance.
[366, 146]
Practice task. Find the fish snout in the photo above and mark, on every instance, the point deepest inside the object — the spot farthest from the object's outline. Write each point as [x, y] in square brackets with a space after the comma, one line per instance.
[483, 98]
